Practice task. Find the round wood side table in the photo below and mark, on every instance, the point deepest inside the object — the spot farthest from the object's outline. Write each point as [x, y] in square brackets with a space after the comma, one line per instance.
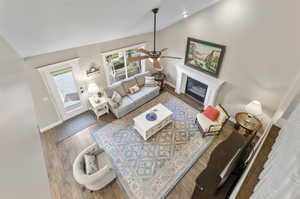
[247, 123]
[160, 77]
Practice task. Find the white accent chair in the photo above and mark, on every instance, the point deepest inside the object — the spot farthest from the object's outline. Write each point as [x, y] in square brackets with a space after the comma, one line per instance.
[212, 128]
[102, 177]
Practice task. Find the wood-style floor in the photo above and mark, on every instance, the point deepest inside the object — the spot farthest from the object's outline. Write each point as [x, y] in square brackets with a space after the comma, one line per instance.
[59, 158]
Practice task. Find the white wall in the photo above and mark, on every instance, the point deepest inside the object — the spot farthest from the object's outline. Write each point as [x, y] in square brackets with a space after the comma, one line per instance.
[262, 48]
[45, 110]
[23, 173]
[292, 106]
[260, 61]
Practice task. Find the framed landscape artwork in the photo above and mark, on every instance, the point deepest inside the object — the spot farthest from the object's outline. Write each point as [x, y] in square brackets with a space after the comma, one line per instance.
[204, 56]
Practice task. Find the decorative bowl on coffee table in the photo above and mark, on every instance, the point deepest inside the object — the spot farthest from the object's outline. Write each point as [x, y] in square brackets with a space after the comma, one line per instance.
[151, 116]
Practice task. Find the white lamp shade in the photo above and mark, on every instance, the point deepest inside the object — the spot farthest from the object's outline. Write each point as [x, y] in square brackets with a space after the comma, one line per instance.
[93, 88]
[254, 108]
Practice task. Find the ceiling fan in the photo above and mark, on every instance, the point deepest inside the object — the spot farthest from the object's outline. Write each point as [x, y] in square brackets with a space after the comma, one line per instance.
[155, 55]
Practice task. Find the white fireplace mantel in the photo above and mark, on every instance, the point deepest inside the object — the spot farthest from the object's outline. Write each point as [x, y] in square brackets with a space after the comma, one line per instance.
[213, 84]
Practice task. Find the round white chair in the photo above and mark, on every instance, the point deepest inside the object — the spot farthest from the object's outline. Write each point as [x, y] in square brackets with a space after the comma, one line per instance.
[99, 179]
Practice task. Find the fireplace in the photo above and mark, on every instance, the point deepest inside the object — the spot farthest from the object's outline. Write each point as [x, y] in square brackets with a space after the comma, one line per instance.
[196, 89]
[209, 86]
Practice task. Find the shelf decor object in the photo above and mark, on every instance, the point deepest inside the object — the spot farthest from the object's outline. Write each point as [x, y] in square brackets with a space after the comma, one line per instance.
[92, 70]
[151, 116]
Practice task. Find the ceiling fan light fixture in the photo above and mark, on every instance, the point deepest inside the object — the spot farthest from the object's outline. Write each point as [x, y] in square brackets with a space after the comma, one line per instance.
[185, 14]
[153, 56]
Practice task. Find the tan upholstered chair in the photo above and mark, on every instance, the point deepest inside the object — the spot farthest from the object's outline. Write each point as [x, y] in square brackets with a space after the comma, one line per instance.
[209, 127]
[102, 177]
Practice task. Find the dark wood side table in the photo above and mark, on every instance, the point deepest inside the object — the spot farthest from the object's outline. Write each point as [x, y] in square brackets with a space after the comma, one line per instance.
[247, 124]
[160, 77]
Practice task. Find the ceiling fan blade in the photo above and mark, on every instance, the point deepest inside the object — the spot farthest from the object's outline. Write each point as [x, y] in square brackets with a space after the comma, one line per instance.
[138, 58]
[170, 57]
[164, 49]
[156, 64]
[144, 51]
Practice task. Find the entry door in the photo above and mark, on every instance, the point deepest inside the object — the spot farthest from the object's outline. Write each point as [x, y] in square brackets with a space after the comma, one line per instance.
[62, 83]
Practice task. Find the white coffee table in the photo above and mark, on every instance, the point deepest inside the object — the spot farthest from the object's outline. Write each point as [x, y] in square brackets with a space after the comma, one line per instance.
[148, 128]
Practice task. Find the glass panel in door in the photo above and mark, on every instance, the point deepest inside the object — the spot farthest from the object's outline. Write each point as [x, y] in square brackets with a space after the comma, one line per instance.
[67, 90]
[117, 69]
[133, 67]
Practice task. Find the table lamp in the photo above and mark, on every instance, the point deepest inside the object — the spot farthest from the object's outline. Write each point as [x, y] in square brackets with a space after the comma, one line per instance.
[93, 90]
[254, 108]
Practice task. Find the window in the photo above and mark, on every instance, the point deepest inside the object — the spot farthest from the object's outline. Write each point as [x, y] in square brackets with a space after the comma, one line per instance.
[118, 68]
[66, 87]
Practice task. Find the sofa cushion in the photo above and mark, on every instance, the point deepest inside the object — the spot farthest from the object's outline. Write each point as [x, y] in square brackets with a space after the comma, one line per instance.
[144, 95]
[90, 164]
[205, 122]
[115, 87]
[149, 90]
[128, 83]
[137, 96]
[139, 99]
[140, 78]
[150, 81]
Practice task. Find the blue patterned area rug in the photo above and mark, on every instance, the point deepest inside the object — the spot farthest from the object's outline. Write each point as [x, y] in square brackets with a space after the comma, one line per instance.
[150, 169]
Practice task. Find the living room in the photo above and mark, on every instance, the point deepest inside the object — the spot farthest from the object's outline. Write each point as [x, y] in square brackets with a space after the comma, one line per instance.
[135, 95]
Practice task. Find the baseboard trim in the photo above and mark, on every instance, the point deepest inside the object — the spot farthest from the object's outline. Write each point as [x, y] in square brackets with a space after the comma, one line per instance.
[280, 123]
[170, 84]
[46, 128]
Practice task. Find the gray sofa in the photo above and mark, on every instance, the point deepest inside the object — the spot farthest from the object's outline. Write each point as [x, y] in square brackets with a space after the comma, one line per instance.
[130, 101]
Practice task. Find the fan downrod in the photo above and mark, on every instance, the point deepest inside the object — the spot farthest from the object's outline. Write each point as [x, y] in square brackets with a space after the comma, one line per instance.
[155, 11]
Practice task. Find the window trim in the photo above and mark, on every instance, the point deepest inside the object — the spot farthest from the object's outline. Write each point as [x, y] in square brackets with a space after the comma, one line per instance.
[123, 50]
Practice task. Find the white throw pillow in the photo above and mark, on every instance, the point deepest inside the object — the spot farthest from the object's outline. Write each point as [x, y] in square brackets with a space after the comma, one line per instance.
[113, 104]
[116, 97]
[90, 164]
[150, 81]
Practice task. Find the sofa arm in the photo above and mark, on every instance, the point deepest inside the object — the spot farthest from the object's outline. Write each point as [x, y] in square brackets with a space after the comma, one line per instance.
[95, 177]
[112, 104]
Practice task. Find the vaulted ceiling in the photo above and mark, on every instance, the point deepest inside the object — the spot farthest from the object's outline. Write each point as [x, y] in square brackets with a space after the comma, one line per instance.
[35, 27]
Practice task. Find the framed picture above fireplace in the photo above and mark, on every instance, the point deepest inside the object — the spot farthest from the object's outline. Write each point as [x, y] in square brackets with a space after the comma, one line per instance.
[204, 56]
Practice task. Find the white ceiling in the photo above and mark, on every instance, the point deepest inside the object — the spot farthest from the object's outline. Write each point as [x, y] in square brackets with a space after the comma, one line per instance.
[35, 27]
